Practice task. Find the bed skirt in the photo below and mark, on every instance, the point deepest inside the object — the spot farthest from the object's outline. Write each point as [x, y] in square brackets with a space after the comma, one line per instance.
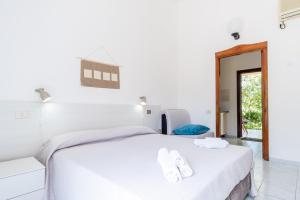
[241, 191]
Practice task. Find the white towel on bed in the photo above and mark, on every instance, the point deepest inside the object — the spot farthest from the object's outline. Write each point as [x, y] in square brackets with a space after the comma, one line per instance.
[169, 168]
[211, 143]
[181, 163]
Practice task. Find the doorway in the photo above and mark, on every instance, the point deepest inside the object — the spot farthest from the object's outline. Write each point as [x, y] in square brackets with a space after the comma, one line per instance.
[237, 50]
[249, 104]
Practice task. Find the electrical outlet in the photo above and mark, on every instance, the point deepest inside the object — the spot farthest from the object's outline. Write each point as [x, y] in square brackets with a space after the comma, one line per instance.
[148, 112]
[22, 115]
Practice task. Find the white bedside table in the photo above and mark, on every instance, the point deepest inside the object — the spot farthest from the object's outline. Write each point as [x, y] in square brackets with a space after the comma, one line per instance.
[22, 179]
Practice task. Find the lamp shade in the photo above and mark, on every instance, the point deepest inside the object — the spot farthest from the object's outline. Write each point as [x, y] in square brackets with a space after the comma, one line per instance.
[143, 100]
[45, 96]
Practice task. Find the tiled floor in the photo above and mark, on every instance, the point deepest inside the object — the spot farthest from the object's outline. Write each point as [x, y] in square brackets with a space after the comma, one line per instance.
[256, 134]
[274, 180]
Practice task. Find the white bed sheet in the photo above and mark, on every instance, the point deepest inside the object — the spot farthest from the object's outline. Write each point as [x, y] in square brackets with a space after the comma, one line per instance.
[201, 136]
[127, 169]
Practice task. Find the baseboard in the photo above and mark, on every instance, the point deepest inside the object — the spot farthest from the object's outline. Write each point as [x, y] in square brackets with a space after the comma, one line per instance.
[287, 162]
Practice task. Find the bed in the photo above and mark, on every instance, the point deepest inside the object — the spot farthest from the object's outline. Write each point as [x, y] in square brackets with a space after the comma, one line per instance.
[175, 118]
[121, 164]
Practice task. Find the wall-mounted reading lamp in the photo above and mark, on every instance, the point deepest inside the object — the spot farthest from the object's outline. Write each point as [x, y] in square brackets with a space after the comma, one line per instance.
[45, 96]
[143, 100]
[236, 35]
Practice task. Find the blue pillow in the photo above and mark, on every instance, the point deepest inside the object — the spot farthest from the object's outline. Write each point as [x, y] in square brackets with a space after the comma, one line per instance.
[191, 129]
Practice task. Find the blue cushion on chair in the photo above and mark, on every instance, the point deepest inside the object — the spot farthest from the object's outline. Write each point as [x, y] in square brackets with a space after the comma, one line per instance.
[191, 129]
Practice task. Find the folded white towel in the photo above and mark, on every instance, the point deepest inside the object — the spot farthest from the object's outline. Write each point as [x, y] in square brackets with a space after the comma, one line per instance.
[169, 168]
[181, 163]
[211, 143]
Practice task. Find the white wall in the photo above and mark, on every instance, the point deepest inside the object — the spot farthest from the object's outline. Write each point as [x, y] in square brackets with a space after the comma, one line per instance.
[228, 81]
[40, 41]
[203, 31]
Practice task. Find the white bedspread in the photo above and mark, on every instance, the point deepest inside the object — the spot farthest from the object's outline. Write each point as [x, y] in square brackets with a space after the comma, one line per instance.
[127, 169]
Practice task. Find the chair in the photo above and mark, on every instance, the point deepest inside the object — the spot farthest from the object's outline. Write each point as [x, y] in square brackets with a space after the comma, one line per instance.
[175, 118]
[244, 129]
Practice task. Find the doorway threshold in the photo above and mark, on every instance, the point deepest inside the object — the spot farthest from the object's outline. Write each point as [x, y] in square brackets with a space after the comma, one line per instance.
[251, 139]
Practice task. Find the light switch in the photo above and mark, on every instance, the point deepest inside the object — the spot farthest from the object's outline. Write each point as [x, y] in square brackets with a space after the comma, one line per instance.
[22, 115]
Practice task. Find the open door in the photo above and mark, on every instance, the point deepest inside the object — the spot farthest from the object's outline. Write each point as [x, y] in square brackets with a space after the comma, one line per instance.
[237, 50]
[249, 104]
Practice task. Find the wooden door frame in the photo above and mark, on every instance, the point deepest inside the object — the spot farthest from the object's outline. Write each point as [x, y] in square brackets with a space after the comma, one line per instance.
[239, 74]
[237, 50]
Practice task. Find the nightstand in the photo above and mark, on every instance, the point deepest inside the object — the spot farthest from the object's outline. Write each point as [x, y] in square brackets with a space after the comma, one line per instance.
[22, 179]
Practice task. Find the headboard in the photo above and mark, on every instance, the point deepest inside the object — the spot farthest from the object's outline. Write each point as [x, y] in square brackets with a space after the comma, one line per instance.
[174, 118]
[61, 118]
[20, 127]
[25, 126]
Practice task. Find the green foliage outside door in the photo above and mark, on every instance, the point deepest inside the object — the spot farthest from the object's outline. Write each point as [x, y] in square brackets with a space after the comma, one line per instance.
[251, 100]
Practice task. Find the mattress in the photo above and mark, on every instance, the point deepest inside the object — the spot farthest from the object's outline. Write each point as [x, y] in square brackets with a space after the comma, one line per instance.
[127, 169]
[201, 136]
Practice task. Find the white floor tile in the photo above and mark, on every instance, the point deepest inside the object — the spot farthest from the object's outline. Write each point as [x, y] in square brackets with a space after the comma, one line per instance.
[266, 197]
[298, 196]
[262, 197]
[277, 191]
[274, 180]
[298, 184]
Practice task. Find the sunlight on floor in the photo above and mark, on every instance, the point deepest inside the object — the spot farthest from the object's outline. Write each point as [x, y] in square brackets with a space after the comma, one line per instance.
[255, 134]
